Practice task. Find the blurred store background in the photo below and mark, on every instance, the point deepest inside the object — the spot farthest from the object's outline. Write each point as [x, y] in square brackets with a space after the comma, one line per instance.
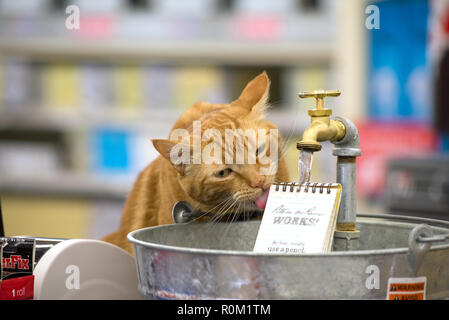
[78, 106]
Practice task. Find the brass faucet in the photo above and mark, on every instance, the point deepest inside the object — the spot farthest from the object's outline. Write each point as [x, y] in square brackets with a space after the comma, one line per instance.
[345, 137]
[322, 128]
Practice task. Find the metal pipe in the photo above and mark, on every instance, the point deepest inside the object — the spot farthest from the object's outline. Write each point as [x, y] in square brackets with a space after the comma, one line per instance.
[346, 176]
[347, 149]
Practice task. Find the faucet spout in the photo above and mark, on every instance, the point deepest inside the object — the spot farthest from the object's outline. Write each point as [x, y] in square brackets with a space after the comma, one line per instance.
[321, 129]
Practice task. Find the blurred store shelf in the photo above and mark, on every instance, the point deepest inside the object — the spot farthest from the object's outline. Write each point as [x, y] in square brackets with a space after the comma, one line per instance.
[213, 52]
[151, 121]
[48, 119]
[64, 184]
[126, 75]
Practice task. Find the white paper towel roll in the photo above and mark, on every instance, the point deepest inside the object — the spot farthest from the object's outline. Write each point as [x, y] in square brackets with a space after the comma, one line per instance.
[86, 269]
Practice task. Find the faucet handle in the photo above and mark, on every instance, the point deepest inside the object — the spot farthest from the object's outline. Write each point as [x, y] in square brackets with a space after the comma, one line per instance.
[319, 95]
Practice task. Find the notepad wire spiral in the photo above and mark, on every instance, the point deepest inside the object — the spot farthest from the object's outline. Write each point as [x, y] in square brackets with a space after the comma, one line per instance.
[290, 186]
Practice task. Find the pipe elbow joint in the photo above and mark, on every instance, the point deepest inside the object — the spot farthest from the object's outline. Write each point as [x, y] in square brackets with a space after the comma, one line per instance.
[349, 145]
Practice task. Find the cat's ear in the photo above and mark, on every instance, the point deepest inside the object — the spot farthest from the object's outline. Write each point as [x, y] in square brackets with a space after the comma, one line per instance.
[255, 95]
[177, 153]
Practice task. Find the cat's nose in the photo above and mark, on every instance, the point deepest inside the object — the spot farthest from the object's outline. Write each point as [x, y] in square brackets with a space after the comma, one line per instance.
[258, 182]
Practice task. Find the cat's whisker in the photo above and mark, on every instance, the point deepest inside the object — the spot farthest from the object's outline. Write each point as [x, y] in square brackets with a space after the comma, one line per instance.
[214, 220]
[202, 215]
[218, 205]
[233, 215]
[225, 207]
[222, 214]
[244, 211]
[238, 208]
[222, 207]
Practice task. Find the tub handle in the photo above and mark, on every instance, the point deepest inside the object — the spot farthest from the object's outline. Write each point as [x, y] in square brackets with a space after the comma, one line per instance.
[437, 238]
[417, 249]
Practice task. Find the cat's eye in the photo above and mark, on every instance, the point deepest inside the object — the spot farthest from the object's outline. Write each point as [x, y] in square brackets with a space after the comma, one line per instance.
[223, 173]
[260, 149]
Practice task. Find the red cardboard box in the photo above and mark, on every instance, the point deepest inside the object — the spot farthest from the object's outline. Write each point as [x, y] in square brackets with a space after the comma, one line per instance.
[21, 288]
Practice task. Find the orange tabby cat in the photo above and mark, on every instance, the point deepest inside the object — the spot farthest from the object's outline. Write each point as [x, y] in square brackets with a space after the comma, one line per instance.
[212, 187]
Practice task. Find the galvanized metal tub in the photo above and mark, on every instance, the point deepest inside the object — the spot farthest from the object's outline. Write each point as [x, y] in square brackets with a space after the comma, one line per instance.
[215, 261]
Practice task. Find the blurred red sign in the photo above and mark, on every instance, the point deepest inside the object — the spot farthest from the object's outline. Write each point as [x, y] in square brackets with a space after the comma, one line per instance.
[380, 142]
[96, 26]
[259, 27]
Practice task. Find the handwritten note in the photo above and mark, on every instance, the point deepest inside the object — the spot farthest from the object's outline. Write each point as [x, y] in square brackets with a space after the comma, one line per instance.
[297, 222]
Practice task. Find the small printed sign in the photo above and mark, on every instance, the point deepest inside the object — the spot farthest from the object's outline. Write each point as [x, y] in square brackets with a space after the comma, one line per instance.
[299, 220]
[407, 288]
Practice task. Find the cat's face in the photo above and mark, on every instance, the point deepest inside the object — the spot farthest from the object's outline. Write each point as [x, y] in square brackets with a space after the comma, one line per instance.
[229, 156]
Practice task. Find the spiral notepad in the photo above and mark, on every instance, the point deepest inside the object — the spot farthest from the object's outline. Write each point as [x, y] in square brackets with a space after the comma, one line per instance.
[299, 218]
